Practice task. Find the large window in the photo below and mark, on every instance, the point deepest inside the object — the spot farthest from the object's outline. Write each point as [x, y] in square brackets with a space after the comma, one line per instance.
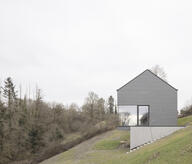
[135, 115]
[128, 115]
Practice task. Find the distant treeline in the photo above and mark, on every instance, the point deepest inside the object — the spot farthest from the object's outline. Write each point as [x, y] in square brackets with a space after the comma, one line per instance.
[31, 127]
[186, 111]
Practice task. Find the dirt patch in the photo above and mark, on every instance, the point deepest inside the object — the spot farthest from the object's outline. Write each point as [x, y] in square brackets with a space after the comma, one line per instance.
[86, 146]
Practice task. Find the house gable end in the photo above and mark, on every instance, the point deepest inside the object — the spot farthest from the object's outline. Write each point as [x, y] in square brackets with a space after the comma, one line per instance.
[155, 76]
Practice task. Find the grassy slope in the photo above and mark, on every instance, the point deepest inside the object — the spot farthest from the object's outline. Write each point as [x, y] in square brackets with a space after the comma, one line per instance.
[176, 148]
[185, 120]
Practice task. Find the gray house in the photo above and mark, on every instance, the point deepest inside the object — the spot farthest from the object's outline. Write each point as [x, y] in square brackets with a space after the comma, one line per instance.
[147, 100]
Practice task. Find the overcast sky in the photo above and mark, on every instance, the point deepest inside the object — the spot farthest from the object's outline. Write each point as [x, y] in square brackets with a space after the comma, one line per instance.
[71, 47]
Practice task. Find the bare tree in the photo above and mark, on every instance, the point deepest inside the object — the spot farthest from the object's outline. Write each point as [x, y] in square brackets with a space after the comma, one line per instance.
[159, 71]
[90, 105]
[101, 108]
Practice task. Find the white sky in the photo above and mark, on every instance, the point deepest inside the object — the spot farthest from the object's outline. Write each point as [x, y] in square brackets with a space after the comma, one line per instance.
[72, 47]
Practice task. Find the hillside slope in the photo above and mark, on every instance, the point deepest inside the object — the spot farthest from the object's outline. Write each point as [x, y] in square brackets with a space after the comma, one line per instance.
[106, 149]
[185, 120]
[104, 144]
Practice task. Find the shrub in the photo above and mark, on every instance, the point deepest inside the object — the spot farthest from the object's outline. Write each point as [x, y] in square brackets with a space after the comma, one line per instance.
[186, 111]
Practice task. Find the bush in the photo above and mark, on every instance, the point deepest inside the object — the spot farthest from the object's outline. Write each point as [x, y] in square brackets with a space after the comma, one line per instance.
[186, 111]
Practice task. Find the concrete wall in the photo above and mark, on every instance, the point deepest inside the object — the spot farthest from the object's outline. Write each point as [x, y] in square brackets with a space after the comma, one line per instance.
[148, 89]
[142, 135]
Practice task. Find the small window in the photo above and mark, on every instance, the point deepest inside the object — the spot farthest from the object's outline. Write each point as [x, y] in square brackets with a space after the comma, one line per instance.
[143, 115]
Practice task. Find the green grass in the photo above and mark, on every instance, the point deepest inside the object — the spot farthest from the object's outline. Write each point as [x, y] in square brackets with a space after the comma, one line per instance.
[114, 141]
[185, 120]
[173, 149]
[107, 145]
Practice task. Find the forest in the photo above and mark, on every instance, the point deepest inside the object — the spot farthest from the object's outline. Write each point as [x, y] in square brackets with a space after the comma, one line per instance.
[32, 130]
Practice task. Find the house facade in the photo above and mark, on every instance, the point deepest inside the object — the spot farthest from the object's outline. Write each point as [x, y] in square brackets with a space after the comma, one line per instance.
[147, 100]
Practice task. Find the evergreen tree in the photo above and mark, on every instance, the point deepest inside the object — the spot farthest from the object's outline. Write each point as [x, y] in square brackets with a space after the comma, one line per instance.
[111, 104]
[9, 92]
[115, 109]
[10, 95]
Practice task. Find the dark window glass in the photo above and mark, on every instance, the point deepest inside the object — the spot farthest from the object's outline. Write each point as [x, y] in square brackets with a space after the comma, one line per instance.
[143, 115]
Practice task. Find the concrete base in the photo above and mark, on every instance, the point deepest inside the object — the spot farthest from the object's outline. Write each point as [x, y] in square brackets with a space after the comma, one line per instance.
[142, 135]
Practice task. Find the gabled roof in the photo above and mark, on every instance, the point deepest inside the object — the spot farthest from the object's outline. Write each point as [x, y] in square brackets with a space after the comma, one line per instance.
[153, 75]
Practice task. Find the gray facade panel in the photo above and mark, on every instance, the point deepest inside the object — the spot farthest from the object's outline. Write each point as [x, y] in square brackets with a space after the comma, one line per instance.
[147, 89]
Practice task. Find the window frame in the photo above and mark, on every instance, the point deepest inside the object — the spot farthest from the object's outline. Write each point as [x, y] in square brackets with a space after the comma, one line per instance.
[138, 115]
[137, 110]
